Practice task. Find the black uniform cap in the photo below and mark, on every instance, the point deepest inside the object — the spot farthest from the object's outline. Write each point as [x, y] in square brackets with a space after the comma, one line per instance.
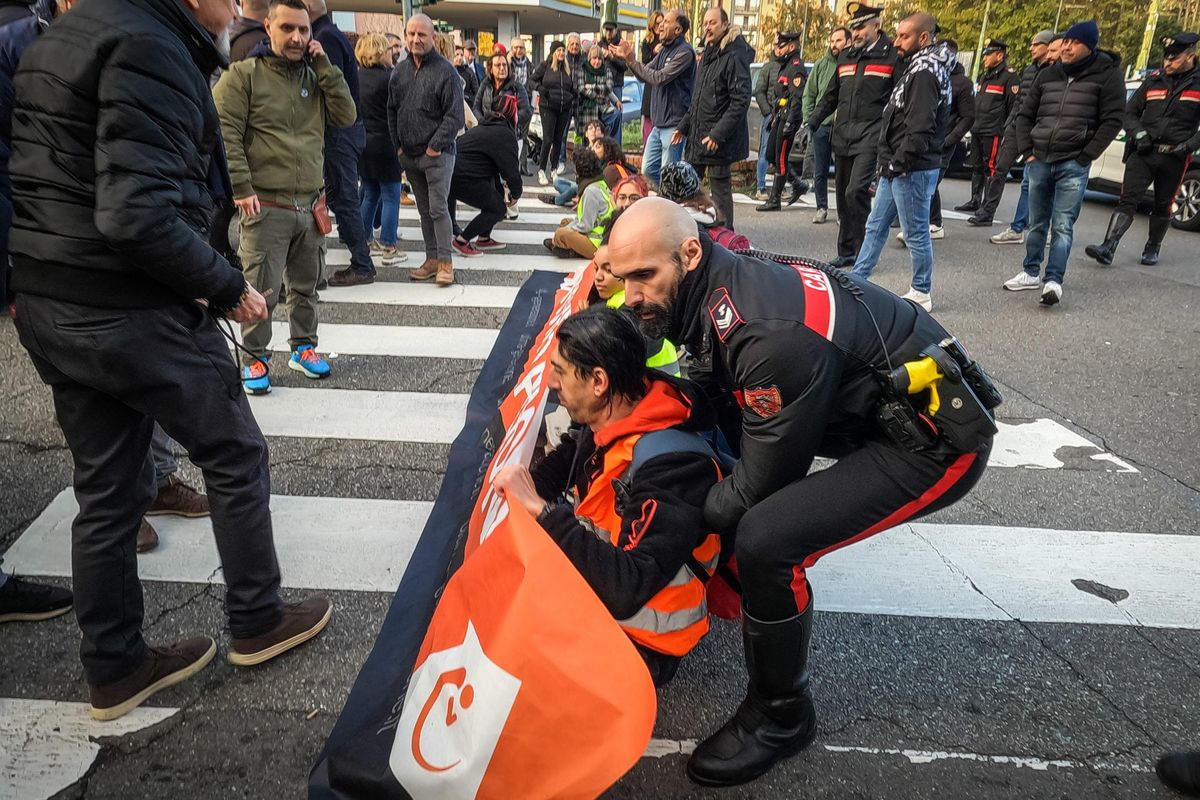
[783, 37]
[995, 45]
[1179, 43]
[861, 13]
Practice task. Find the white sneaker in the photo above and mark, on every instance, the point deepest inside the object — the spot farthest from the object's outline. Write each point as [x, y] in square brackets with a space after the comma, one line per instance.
[1021, 281]
[937, 232]
[542, 180]
[820, 217]
[1051, 293]
[1009, 236]
[899, 236]
[513, 212]
[920, 298]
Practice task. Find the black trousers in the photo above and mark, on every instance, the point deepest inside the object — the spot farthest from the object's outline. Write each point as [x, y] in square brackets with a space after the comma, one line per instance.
[874, 488]
[1006, 156]
[554, 132]
[487, 196]
[113, 373]
[1163, 170]
[720, 185]
[984, 150]
[852, 185]
[343, 147]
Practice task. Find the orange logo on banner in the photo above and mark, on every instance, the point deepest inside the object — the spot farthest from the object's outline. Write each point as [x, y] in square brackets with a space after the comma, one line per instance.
[524, 687]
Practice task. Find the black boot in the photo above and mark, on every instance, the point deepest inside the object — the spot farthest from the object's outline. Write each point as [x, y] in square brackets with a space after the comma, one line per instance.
[772, 202]
[1180, 771]
[777, 718]
[1118, 223]
[799, 186]
[1158, 231]
[977, 183]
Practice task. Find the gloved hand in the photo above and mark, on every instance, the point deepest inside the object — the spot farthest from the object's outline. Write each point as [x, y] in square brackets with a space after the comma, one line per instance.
[1172, 148]
[1143, 143]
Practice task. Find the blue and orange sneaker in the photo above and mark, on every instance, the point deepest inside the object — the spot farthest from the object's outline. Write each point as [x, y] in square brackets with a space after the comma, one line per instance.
[255, 379]
[305, 359]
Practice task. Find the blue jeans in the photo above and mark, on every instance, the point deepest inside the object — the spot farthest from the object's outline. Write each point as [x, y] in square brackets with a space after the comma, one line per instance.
[1021, 217]
[660, 152]
[763, 160]
[1055, 196]
[822, 145]
[906, 196]
[566, 191]
[384, 198]
[612, 124]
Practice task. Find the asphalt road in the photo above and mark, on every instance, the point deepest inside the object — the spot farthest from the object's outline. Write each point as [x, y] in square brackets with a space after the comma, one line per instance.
[910, 707]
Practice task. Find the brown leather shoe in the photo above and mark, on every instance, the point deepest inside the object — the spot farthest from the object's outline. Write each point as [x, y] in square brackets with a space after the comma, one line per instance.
[406, 199]
[301, 622]
[426, 271]
[162, 667]
[445, 273]
[180, 500]
[351, 277]
[147, 537]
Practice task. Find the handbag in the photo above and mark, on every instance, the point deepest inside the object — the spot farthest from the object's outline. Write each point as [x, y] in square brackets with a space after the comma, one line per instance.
[320, 212]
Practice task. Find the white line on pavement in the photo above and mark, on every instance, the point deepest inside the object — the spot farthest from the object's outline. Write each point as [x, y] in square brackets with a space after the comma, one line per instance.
[46, 745]
[530, 212]
[392, 340]
[488, 262]
[1040, 443]
[361, 414]
[508, 235]
[973, 572]
[423, 294]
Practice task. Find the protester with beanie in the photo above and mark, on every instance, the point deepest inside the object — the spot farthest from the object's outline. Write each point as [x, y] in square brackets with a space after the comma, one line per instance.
[1074, 110]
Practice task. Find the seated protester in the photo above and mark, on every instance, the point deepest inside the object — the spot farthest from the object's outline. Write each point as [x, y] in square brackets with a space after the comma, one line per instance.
[487, 155]
[581, 236]
[609, 151]
[623, 494]
[565, 190]
[681, 184]
[663, 355]
[628, 191]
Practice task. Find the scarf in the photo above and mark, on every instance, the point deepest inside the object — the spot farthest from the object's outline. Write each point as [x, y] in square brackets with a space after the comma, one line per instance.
[937, 59]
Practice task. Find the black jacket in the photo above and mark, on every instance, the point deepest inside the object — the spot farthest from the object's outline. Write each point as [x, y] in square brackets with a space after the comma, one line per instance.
[1167, 108]
[626, 576]
[114, 135]
[1027, 76]
[801, 353]
[916, 118]
[469, 79]
[998, 95]
[425, 105]
[378, 161]
[341, 55]
[244, 37]
[789, 94]
[1073, 116]
[555, 88]
[720, 100]
[858, 92]
[488, 152]
[962, 112]
[487, 93]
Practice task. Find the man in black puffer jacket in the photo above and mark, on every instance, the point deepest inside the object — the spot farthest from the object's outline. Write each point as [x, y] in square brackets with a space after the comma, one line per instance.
[115, 141]
[1074, 110]
[715, 122]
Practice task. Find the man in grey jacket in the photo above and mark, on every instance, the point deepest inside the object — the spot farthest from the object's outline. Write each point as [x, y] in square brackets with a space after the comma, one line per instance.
[425, 113]
[767, 76]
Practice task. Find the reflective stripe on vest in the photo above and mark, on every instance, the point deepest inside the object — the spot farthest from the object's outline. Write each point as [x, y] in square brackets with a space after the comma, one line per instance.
[667, 358]
[676, 618]
[597, 231]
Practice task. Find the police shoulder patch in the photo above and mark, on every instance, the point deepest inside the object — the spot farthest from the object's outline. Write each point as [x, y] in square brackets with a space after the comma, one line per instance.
[723, 313]
[766, 401]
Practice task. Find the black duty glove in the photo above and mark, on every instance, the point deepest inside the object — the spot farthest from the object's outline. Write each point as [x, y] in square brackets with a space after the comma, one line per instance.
[1143, 143]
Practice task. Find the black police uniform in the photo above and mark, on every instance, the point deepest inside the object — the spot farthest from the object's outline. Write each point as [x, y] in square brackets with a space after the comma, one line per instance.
[1007, 155]
[858, 92]
[996, 96]
[801, 347]
[786, 97]
[1162, 121]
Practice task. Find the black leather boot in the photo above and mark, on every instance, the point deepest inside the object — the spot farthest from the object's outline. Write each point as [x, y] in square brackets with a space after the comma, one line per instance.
[1118, 223]
[777, 718]
[977, 184]
[1158, 231]
[1180, 771]
[799, 186]
[772, 202]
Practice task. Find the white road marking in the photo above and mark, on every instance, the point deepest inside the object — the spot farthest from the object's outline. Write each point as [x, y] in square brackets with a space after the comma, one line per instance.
[807, 203]
[45, 745]
[495, 261]
[423, 294]
[392, 340]
[538, 213]
[323, 543]
[361, 414]
[507, 235]
[1036, 445]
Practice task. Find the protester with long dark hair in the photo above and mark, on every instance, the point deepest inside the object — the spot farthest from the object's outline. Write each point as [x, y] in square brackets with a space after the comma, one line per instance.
[556, 97]
[500, 81]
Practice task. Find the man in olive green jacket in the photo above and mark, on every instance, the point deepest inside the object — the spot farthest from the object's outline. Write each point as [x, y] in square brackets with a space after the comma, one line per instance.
[274, 108]
[820, 153]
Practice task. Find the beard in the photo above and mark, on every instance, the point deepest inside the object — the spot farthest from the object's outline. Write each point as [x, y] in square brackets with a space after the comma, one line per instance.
[655, 318]
[222, 41]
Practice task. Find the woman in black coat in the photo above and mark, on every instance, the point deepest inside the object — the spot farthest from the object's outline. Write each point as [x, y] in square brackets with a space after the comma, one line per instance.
[556, 97]
[500, 81]
[378, 166]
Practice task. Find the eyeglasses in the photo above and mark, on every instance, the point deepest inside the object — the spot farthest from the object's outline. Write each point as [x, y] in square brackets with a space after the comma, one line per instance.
[627, 198]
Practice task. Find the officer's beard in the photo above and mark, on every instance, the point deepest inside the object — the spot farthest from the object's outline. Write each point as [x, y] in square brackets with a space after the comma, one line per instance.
[655, 318]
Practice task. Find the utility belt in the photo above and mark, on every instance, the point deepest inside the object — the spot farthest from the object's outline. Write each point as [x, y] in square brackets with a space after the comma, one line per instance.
[943, 396]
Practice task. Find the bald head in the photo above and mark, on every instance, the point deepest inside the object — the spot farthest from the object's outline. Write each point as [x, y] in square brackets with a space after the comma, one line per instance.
[418, 36]
[914, 33]
[653, 222]
[316, 8]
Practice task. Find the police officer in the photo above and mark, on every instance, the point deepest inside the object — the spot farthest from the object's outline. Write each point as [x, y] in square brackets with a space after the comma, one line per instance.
[786, 95]
[859, 91]
[996, 96]
[802, 347]
[1161, 123]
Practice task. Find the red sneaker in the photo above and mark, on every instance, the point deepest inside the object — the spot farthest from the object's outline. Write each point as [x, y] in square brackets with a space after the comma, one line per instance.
[488, 243]
[466, 249]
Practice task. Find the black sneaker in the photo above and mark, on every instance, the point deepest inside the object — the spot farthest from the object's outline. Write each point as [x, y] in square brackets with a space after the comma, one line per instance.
[25, 601]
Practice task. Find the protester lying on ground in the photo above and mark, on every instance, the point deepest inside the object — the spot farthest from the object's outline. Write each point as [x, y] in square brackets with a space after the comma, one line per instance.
[622, 495]
[581, 236]
[681, 184]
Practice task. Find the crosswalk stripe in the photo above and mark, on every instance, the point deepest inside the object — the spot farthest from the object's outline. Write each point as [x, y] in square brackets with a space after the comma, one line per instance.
[978, 572]
[392, 340]
[531, 212]
[423, 294]
[46, 745]
[508, 236]
[361, 414]
[488, 262]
